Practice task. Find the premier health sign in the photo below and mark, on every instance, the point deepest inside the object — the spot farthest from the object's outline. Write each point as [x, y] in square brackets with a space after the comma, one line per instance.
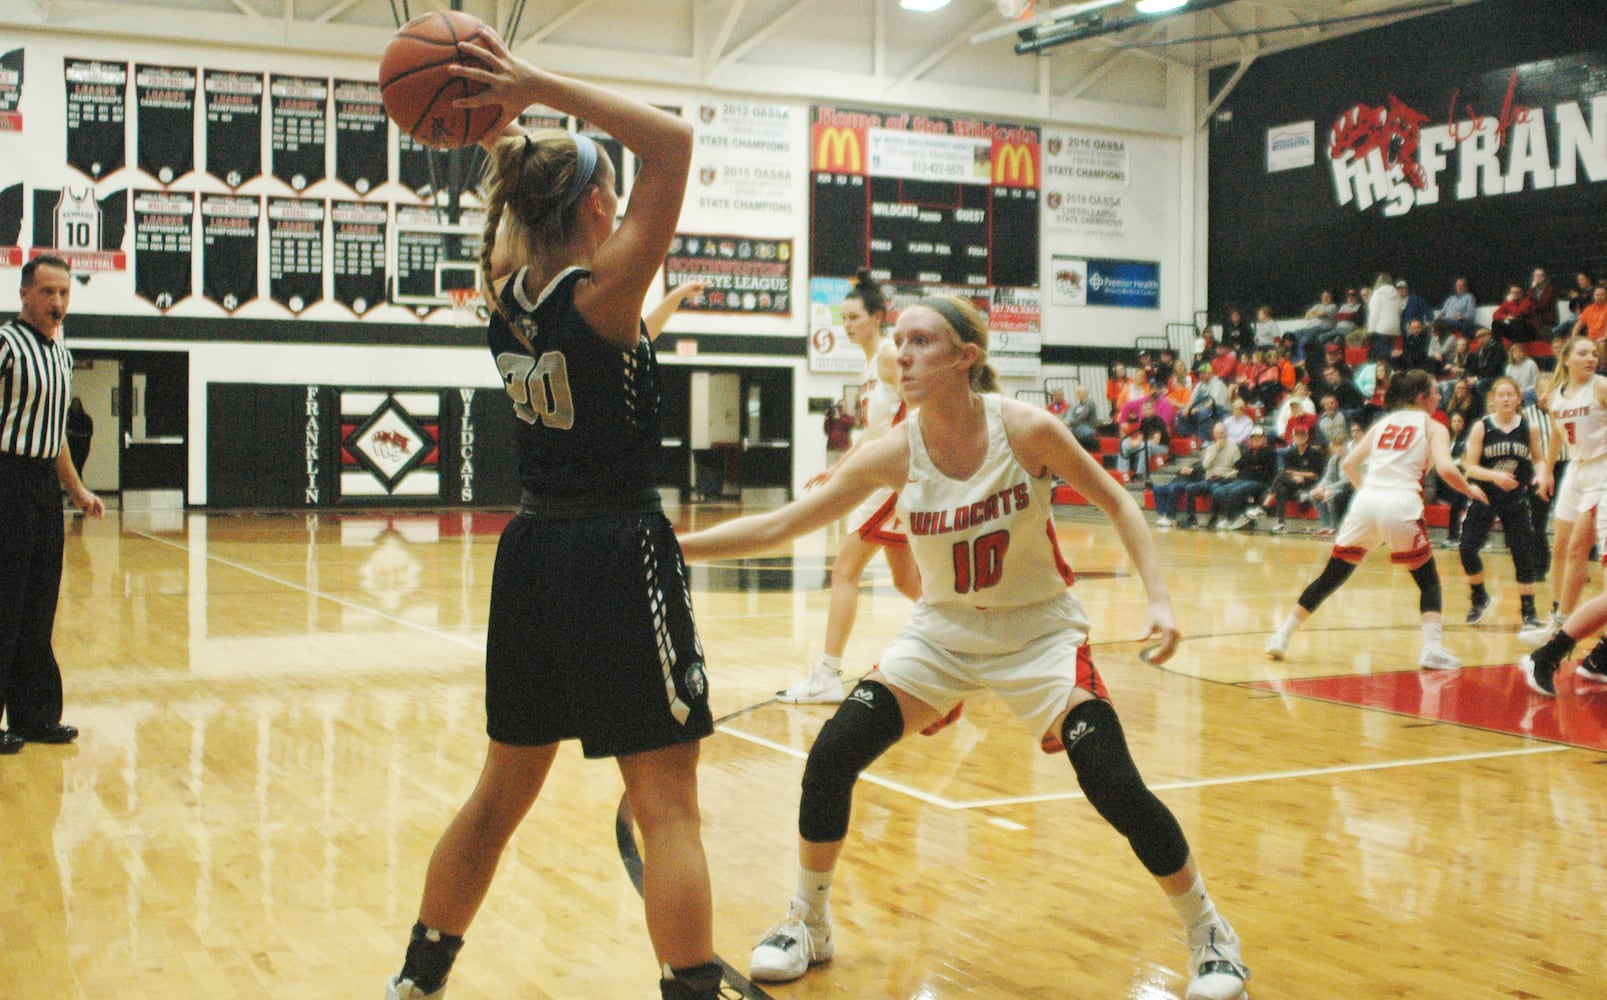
[1123, 284]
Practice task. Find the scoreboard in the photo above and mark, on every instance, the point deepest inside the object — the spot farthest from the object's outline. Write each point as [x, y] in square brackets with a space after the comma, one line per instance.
[924, 200]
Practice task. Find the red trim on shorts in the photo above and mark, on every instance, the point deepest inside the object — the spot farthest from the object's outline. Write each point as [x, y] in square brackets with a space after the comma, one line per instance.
[876, 531]
[1420, 553]
[1349, 553]
[1087, 677]
[1054, 546]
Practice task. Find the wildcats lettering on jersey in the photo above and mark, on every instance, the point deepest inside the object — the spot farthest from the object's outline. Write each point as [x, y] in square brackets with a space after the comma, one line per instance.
[1000, 504]
[87, 233]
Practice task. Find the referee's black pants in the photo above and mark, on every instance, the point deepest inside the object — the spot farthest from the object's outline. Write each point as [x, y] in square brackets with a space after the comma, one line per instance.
[31, 536]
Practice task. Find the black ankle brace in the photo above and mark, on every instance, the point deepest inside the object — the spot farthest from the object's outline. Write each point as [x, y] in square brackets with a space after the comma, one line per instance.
[429, 957]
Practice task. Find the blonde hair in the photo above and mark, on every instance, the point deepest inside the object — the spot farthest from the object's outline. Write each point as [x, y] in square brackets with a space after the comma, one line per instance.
[1559, 375]
[529, 179]
[971, 327]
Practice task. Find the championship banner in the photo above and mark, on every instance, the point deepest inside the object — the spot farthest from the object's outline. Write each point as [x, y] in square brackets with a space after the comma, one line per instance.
[295, 252]
[741, 274]
[97, 116]
[164, 227]
[413, 167]
[229, 248]
[74, 226]
[10, 91]
[362, 135]
[11, 226]
[360, 234]
[745, 157]
[1085, 177]
[389, 444]
[164, 112]
[297, 118]
[233, 126]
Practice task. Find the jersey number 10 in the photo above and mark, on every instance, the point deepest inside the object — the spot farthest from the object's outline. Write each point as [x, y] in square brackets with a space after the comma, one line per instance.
[979, 564]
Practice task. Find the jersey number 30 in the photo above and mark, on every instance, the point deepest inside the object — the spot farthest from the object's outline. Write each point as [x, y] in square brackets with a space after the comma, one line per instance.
[540, 388]
[979, 564]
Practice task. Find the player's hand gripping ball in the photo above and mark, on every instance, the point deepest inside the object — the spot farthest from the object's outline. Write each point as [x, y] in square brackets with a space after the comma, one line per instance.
[417, 86]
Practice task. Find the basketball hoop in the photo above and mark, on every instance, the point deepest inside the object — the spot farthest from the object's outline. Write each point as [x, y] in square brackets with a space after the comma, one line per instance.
[465, 306]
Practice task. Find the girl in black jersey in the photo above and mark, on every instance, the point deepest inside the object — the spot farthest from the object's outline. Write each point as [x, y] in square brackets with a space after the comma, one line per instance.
[1502, 449]
[590, 633]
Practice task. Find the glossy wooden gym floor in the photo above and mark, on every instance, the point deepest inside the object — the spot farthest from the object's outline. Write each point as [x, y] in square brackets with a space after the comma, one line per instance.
[281, 712]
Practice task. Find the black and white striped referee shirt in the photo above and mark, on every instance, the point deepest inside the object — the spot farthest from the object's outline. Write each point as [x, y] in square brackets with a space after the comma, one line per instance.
[35, 388]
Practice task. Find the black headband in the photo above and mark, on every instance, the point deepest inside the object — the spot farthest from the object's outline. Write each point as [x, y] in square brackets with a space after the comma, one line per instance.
[951, 314]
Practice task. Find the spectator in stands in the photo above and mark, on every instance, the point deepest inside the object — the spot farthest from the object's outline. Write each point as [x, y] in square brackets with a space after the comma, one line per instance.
[1542, 296]
[1299, 468]
[1142, 440]
[1180, 387]
[1368, 377]
[1225, 362]
[1135, 389]
[1349, 395]
[1298, 406]
[1413, 305]
[1592, 320]
[1351, 313]
[1057, 404]
[1514, 320]
[1333, 490]
[1577, 299]
[1415, 345]
[1239, 502]
[1460, 311]
[1463, 402]
[1132, 410]
[1524, 373]
[1320, 325]
[1083, 420]
[1116, 387]
[1331, 422]
[1487, 359]
[1334, 355]
[1441, 340]
[1239, 424]
[840, 424]
[1383, 318]
[1215, 465]
[1267, 330]
[1237, 333]
[1207, 404]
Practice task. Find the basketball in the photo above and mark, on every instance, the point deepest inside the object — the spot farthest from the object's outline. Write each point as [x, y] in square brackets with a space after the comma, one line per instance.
[417, 85]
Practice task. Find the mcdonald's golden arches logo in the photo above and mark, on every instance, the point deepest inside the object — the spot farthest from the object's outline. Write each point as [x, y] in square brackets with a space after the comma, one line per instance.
[838, 150]
[1015, 164]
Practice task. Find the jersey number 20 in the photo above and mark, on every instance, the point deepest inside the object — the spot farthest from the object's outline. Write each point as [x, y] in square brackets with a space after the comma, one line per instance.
[979, 564]
[540, 388]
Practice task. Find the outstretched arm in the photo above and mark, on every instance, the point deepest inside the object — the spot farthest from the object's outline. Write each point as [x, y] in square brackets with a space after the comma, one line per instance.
[883, 463]
[1044, 445]
[1439, 444]
[661, 313]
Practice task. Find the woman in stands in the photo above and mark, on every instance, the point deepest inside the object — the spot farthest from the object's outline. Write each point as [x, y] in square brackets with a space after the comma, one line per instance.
[874, 526]
[1502, 452]
[974, 473]
[1388, 508]
[1577, 401]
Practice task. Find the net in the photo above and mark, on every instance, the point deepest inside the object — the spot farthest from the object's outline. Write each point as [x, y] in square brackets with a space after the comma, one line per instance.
[465, 306]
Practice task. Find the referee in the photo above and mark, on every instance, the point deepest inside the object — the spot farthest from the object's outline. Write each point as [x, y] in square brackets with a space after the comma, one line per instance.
[35, 387]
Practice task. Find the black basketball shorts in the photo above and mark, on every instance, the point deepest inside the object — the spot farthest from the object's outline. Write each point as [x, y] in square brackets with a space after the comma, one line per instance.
[591, 637]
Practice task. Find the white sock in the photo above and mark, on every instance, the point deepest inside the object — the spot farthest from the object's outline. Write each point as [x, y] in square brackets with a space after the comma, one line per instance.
[1289, 625]
[832, 663]
[814, 888]
[1194, 906]
[1432, 631]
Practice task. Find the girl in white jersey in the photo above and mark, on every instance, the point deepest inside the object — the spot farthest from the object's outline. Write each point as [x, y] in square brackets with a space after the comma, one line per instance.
[1388, 508]
[1577, 402]
[974, 473]
[874, 524]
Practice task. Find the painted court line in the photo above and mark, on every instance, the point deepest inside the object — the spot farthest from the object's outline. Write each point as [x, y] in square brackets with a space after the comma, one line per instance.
[1242, 779]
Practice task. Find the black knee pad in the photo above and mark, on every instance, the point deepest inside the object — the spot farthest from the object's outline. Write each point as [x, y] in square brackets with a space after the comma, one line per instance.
[868, 722]
[1427, 578]
[1107, 775]
[1333, 577]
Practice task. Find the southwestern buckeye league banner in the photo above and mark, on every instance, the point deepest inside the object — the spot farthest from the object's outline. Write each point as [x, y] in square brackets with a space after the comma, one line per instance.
[1476, 161]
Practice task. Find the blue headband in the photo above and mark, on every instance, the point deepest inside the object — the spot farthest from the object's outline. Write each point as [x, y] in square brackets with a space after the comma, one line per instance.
[585, 167]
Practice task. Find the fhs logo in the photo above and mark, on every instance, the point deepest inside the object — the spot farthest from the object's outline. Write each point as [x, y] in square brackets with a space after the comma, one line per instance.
[390, 444]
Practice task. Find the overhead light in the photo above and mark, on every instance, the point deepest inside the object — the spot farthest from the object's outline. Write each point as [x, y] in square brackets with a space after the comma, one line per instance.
[1158, 6]
[925, 6]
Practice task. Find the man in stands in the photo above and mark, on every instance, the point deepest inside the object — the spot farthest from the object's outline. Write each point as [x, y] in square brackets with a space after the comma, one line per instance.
[1239, 502]
[1413, 306]
[1301, 465]
[1542, 296]
[1216, 465]
[1207, 405]
[1593, 318]
[1460, 311]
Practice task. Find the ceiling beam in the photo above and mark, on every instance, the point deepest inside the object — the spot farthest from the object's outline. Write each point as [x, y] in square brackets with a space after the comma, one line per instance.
[919, 69]
[728, 25]
[759, 37]
[335, 11]
[553, 25]
[1222, 95]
